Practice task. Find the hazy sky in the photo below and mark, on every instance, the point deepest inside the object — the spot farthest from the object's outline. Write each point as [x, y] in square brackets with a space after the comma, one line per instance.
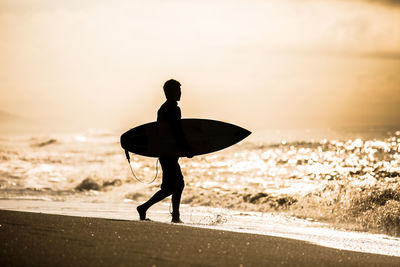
[259, 64]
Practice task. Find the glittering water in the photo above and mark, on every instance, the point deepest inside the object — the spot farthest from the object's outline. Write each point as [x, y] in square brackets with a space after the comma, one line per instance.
[54, 167]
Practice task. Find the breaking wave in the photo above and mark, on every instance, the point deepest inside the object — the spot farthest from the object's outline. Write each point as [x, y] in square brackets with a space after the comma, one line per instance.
[341, 180]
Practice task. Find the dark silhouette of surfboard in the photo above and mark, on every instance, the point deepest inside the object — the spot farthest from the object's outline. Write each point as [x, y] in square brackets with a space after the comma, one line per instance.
[159, 139]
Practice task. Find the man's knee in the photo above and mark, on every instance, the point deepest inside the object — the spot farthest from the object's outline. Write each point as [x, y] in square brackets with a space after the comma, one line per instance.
[178, 187]
[181, 186]
[172, 188]
[167, 190]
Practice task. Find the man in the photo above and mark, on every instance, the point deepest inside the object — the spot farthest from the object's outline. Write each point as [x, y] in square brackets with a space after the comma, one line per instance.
[172, 180]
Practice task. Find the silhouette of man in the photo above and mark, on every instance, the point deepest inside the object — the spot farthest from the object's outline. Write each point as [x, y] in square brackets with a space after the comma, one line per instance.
[172, 179]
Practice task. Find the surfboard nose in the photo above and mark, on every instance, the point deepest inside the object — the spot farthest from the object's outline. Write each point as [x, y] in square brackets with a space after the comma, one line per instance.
[242, 134]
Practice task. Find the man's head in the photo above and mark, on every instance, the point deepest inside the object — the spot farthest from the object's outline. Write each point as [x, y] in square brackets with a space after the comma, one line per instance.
[172, 90]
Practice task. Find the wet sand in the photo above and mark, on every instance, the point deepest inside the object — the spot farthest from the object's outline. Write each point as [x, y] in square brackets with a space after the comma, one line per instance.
[34, 239]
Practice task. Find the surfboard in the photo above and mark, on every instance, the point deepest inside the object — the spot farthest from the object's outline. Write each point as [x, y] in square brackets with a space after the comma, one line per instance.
[202, 136]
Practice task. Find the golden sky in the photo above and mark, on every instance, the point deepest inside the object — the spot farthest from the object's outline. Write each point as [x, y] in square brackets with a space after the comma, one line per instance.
[259, 64]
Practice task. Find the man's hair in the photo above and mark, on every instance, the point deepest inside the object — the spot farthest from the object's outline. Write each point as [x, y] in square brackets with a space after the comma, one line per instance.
[170, 87]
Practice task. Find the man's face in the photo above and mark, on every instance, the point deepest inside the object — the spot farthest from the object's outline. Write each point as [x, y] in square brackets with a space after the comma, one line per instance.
[178, 94]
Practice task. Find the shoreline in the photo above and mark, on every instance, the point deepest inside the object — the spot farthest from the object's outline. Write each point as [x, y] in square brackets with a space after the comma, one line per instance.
[37, 239]
[267, 224]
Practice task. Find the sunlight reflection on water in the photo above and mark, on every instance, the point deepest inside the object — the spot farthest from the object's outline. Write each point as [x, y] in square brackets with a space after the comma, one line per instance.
[53, 167]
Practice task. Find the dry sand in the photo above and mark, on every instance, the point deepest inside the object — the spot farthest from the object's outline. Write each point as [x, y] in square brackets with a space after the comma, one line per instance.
[34, 239]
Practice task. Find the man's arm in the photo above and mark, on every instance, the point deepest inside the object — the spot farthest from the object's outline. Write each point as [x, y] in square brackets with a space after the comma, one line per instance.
[181, 138]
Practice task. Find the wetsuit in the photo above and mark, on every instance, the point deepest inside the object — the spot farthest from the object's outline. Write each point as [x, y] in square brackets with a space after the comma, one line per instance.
[172, 179]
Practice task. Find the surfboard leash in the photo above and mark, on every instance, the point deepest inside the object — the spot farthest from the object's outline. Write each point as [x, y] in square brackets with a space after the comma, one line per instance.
[133, 173]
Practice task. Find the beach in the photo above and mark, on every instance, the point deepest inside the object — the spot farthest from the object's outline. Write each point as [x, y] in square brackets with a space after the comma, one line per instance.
[34, 239]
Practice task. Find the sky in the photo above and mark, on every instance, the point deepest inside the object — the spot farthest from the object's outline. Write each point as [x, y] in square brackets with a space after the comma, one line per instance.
[82, 64]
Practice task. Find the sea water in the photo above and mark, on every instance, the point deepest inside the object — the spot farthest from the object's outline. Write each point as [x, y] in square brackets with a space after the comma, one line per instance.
[53, 167]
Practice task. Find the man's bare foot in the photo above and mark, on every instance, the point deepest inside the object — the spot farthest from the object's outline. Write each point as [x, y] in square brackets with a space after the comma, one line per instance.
[176, 219]
[142, 212]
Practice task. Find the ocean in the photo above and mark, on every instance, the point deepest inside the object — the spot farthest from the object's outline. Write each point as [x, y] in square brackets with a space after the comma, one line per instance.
[323, 175]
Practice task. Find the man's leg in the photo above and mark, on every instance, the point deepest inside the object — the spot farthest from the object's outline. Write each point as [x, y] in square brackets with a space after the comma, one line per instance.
[157, 197]
[176, 200]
